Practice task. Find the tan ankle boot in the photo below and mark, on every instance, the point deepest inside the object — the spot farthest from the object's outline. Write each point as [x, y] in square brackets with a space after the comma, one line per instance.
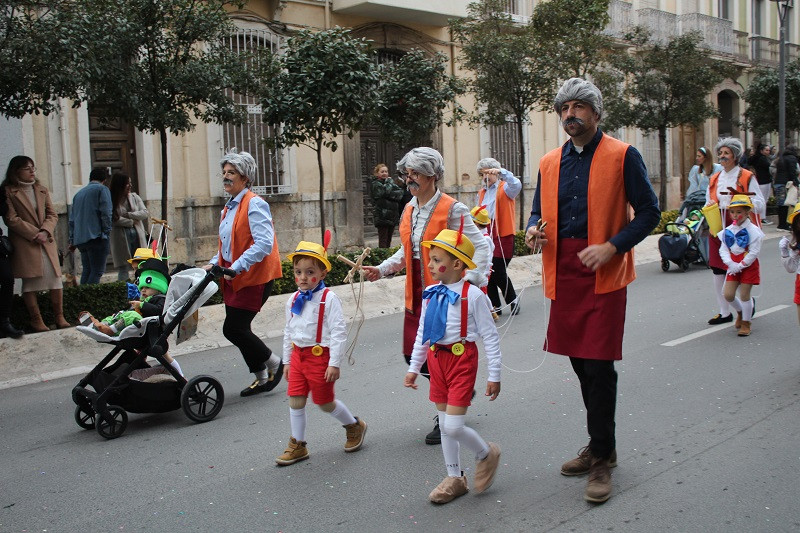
[744, 331]
[37, 324]
[57, 301]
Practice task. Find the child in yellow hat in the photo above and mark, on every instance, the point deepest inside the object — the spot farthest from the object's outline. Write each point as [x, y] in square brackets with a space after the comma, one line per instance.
[313, 343]
[480, 216]
[790, 252]
[740, 244]
[454, 315]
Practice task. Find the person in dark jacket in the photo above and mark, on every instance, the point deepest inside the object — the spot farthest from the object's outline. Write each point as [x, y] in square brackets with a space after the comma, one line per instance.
[6, 282]
[386, 197]
[758, 163]
[785, 171]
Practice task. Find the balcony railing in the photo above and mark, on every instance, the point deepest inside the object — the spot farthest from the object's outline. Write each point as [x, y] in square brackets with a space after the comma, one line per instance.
[742, 45]
[662, 24]
[520, 10]
[621, 19]
[717, 33]
[765, 50]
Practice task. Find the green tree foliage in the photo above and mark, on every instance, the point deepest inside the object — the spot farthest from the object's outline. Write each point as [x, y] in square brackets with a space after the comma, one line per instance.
[325, 86]
[658, 86]
[413, 96]
[35, 44]
[761, 96]
[164, 65]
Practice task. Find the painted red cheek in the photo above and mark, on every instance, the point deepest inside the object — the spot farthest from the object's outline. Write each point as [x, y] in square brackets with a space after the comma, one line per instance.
[442, 268]
[313, 280]
[297, 279]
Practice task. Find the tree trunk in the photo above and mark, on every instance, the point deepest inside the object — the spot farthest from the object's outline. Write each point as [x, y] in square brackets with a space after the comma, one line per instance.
[162, 133]
[520, 137]
[662, 166]
[321, 191]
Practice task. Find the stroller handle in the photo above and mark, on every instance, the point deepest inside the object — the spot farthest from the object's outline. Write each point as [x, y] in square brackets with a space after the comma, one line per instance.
[219, 271]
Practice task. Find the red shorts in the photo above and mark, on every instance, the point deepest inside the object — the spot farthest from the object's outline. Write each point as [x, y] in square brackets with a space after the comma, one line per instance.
[307, 374]
[453, 376]
[750, 275]
[797, 290]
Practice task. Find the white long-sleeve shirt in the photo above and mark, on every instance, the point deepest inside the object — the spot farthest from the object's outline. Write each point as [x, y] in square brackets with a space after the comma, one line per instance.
[791, 261]
[302, 329]
[513, 187]
[480, 325]
[419, 215]
[753, 248]
[730, 179]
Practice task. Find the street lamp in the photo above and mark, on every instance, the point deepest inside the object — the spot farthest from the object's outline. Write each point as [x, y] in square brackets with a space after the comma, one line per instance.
[783, 7]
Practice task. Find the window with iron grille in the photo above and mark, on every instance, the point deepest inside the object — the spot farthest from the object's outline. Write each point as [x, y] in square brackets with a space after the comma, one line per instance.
[249, 136]
[505, 147]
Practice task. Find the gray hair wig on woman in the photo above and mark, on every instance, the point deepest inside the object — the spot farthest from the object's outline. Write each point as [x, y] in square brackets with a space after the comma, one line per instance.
[732, 143]
[243, 162]
[579, 89]
[488, 162]
[424, 160]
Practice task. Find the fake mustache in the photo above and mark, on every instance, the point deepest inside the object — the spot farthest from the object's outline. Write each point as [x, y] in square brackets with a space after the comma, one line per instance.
[227, 181]
[412, 185]
[572, 120]
[723, 158]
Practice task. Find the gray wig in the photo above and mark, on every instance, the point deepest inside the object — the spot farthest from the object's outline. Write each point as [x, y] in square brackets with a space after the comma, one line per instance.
[734, 144]
[489, 162]
[424, 160]
[242, 162]
[579, 89]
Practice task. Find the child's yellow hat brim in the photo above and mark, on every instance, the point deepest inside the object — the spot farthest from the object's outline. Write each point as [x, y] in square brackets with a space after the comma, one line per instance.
[794, 212]
[446, 240]
[741, 200]
[311, 249]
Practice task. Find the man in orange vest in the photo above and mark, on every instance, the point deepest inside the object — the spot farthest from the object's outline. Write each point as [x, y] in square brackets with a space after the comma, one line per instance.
[585, 193]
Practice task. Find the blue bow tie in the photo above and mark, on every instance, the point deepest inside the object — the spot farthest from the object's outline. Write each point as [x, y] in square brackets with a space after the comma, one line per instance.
[742, 238]
[436, 312]
[303, 297]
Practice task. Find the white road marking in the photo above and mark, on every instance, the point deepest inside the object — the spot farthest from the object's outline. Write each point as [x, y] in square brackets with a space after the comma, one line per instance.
[719, 327]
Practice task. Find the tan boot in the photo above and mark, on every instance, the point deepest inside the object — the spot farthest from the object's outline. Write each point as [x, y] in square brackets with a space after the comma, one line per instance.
[37, 324]
[598, 488]
[738, 323]
[580, 465]
[57, 301]
[486, 469]
[449, 489]
[295, 451]
[355, 435]
[744, 331]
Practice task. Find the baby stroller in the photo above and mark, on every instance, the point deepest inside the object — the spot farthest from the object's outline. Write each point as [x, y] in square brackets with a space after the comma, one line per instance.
[130, 384]
[683, 242]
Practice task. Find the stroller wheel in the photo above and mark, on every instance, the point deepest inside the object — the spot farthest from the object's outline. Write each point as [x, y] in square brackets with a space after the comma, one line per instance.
[112, 423]
[664, 265]
[685, 265]
[85, 418]
[202, 398]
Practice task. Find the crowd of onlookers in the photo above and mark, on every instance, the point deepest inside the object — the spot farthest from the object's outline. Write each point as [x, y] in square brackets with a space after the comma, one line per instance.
[775, 175]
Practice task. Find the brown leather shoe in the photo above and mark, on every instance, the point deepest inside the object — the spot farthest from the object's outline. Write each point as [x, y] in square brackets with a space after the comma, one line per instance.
[738, 323]
[580, 465]
[295, 451]
[486, 468]
[355, 435]
[744, 331]
[449, 489]
[598, 488]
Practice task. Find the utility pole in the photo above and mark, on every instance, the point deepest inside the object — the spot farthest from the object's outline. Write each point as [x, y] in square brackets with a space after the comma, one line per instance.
[783, 8]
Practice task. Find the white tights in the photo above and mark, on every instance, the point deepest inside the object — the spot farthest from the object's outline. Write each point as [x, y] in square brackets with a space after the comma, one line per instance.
[455, 433]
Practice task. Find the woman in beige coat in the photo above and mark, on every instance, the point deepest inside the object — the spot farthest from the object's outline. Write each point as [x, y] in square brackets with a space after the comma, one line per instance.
[127, 226]
[31, 222]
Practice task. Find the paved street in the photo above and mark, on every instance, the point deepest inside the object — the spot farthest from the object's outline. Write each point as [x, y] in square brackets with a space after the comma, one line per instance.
[707, 437]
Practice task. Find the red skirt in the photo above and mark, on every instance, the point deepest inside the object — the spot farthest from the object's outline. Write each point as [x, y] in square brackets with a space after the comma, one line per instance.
[411, 321]
[583, 324]
[247, 298]
[714, 260]
[797, 290]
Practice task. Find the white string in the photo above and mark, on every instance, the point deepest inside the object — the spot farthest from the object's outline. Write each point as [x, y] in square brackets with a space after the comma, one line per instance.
[355, 268]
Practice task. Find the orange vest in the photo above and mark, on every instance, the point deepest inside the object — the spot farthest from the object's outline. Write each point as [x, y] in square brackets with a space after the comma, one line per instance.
[436, 223]
[265, 270]
[504, 222]
[608, 211]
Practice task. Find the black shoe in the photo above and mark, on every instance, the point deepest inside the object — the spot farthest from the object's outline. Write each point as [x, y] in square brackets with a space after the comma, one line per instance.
[754, 309]
[435, 436]
[719, 319]
[8, 330]
[514, 308]
[498, 311]
[275, 378]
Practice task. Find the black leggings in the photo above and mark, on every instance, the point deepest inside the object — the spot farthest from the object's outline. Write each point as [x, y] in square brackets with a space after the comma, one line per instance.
[499, 280]
[6, 288]
[236, 329]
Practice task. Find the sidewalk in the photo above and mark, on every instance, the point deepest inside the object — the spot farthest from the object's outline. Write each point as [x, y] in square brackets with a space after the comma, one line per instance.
[44, 356]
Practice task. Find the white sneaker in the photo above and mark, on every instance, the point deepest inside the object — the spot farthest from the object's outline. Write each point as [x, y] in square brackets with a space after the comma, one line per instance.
[767, 222]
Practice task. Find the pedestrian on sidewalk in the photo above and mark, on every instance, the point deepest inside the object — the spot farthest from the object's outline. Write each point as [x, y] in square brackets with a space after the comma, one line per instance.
[730, 178]
[314, 340]
[249, 247]
[428, 212]
[90, 226]
[127, 232]
[740, 244]
[454, 315]
[6, 279]
[31, 222]
[790, 253]
[386, 196]
[759, 164]
[586, 189]
[499, 188]
[786, 171]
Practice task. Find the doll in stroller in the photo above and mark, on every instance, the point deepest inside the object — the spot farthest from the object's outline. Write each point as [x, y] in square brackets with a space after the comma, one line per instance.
[123, 382]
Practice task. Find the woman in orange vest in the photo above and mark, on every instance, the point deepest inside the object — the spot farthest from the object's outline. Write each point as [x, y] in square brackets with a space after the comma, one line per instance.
[247, 245]
[498, 191]
[428, 212]
[731, 177]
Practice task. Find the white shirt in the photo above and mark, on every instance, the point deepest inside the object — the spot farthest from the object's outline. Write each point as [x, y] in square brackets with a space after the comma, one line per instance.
[490, 241]
[480, 325]
[730, 179]
[513, 186]
[753, 248]
[259, 218]
[419, 215]
[302, 329]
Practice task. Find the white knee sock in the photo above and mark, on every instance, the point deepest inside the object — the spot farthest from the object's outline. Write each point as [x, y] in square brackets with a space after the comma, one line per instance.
[343, 414]
[747, 310]
[176, 366]
[736, 304]
[297, 419]
[465, 435]
[450, 449]
[719, 283]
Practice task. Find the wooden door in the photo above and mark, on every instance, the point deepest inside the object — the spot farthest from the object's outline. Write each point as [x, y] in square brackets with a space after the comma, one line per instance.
[112, 144]
[374, 151]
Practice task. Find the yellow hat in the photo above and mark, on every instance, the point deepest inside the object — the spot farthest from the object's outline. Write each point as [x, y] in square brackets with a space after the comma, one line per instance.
[741, 200]
[143, 254]
[449, 240]
[794, 212]
[312, 249]
[480, 215]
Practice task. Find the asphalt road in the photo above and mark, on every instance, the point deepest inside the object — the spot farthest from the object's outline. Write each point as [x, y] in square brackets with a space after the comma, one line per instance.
[707, 431]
